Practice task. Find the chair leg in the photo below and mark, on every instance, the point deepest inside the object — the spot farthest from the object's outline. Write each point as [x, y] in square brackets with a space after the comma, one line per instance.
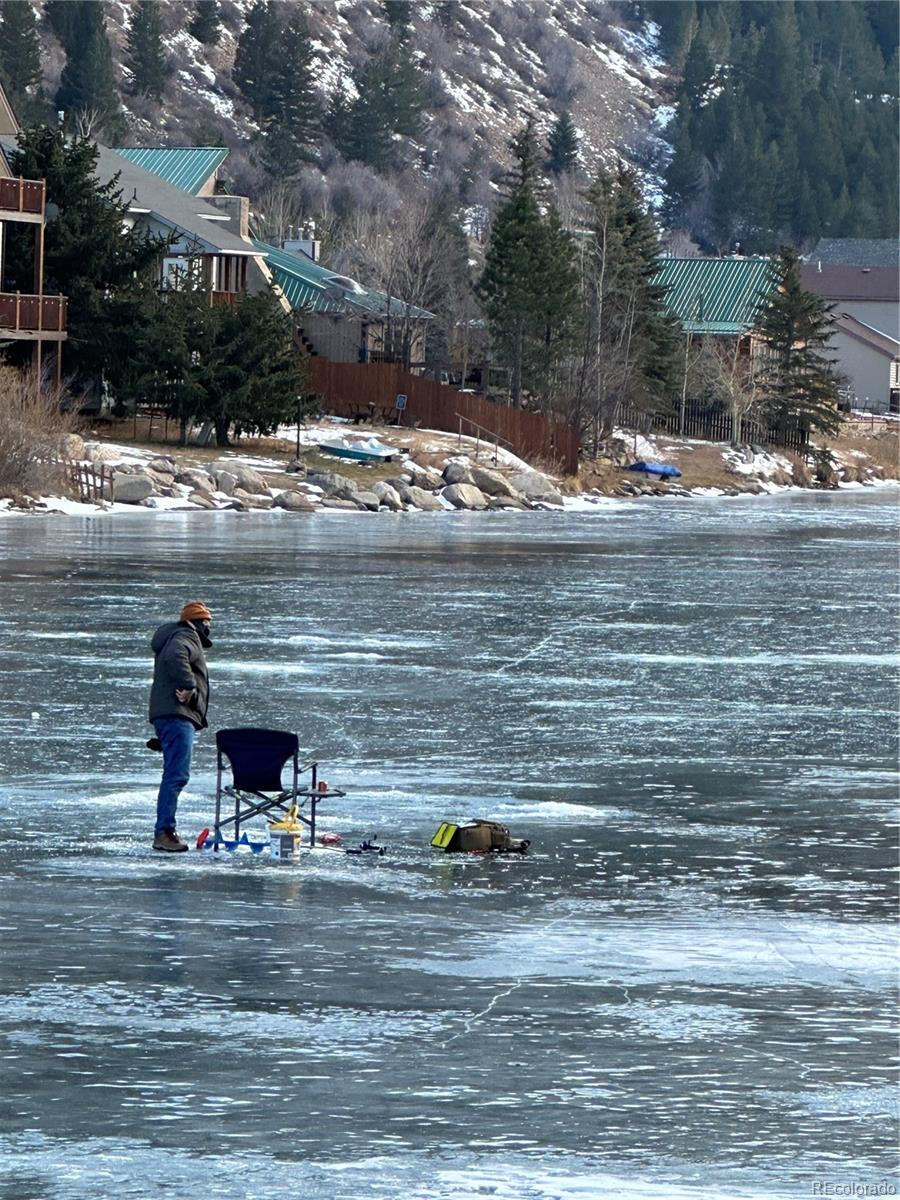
[218, 803]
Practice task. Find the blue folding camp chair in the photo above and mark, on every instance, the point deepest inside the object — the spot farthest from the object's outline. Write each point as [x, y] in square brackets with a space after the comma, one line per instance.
[256, 758]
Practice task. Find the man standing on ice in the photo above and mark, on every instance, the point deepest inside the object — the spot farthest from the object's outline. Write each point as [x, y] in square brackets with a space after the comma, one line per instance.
[178, 702]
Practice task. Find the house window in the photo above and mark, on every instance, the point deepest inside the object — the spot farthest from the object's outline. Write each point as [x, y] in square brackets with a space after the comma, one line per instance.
[180, 274]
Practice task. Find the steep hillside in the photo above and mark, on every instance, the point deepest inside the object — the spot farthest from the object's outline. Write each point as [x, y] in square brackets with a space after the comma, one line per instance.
[495, 62]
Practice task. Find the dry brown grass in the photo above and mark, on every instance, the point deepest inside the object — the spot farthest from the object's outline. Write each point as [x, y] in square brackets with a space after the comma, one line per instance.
[801, 472]
[881, 447]
[32, 429]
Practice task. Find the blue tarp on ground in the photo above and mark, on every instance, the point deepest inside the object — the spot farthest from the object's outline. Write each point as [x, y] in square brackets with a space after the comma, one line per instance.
[665, 470]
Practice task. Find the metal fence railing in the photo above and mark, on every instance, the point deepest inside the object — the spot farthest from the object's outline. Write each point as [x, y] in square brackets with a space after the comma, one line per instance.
[713, 424]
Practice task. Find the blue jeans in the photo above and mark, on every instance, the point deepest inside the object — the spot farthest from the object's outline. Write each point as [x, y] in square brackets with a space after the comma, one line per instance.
[177, 737]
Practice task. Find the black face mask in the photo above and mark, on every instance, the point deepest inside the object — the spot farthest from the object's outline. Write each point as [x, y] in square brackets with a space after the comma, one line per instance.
[202, 628]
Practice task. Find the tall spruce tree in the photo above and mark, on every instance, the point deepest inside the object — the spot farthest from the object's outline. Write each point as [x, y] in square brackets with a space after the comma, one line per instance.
[529, 286]
[145, 54]
[798, 379]
[205, 24]
[250, 374]
[398, 14]
[62, 17]
[90, 254]
[256, 57]
[562, 145]
[20, 60]
[388, 102]
[87, 88]
[295, 119]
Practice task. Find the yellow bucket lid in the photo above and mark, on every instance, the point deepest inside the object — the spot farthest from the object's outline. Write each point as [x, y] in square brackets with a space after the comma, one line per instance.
[289, 823]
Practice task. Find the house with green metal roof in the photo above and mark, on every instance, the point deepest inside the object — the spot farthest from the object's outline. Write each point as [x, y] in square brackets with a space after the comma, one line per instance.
[337, 317]
[715, 296]
[193, 169]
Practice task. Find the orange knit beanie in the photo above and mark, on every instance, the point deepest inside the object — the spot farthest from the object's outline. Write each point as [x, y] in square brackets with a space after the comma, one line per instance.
[195, 611]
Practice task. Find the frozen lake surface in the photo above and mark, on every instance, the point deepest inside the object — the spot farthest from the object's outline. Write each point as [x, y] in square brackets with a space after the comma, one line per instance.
[687, 988]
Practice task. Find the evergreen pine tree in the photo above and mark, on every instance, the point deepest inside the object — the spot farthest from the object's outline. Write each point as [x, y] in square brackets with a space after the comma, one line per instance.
[90, 254]
[20, 59]
[145, 54]
[87, 87]
[398, 14]
[294, 107]
[562, 145]
[250, 374]
[529, 287]
[699, 73]
[388, 102]
[798, 379]
[255, 59]
[684, 173]
[205, 24]
[775, 81]
[63, 18]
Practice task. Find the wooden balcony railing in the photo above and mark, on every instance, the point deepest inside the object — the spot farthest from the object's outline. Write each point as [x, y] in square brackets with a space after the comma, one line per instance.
[32, 314]
[22, 196]
[223, 299]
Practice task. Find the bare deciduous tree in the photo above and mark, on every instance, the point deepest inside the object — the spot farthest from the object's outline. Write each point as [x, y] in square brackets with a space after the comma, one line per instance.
[723, 369]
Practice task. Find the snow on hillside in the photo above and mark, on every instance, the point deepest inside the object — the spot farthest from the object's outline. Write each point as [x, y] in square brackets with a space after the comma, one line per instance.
[499, 61]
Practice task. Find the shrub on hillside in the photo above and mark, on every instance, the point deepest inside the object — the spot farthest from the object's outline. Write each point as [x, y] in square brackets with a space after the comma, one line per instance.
[32, 428]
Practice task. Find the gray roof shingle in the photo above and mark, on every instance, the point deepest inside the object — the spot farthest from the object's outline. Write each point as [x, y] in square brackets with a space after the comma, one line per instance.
[172, 206]
[857, 252]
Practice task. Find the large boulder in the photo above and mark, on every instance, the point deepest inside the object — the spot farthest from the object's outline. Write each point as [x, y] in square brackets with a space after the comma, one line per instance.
[71, 446]
[102, 454]
[368, 500]
[163, 464]
[492, 483]
[294, 502]
[536, 487]
[458, 470]
[252, 499]
[337, 503]
[417, 497]
[388, 496]
[497, 503]
[423, 475]
[197, 480]
[226, 482]
[132, 489]
[250, 481]
[202, 499]
[464, 495]
[333, 484]
[163, 479]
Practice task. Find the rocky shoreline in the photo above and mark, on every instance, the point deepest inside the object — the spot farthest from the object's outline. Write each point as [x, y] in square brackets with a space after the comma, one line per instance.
[430, 476]
[461, 485]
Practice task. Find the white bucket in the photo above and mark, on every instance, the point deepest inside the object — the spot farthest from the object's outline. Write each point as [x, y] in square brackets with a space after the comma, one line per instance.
[285, 846]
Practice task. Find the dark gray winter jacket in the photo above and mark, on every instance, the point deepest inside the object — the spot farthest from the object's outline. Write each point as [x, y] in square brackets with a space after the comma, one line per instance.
[180, 663]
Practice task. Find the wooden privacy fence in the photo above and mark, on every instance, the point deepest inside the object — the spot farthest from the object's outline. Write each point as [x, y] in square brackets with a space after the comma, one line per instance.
[363, 390]
[713, 425]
